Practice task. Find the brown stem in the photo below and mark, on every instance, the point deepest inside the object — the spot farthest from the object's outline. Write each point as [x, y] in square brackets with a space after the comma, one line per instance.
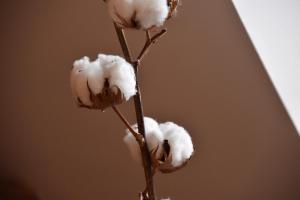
[137, 136]
[139, 116]
[148, 35]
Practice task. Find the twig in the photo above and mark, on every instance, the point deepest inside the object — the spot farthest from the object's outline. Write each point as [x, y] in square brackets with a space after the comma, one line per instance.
[149, 42]
[148, 35]
[139, 116]
[137, 136]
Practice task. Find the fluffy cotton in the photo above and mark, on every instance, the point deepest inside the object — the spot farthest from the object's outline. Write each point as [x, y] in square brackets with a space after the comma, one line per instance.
[89, 76]
[138, 13]
[120, 73]
[154, 138]
[180, 142]
[178, 139]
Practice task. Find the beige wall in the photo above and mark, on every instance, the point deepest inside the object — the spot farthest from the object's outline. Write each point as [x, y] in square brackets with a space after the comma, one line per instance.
[204, 75]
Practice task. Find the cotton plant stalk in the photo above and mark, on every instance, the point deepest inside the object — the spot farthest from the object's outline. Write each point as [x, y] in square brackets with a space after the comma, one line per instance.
[110, 80]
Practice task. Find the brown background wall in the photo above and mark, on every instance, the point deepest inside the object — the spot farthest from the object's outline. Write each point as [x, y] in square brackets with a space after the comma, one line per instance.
[204, 74]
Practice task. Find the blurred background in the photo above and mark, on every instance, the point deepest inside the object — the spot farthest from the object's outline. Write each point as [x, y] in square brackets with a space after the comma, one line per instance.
[204, 74]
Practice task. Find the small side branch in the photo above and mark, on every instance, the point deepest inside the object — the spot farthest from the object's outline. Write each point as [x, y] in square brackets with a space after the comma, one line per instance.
[149, 42]
[139, 138]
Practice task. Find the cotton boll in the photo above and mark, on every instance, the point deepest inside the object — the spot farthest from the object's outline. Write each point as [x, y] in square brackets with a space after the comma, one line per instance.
[138, 13]
[154, 138]
[180, 142]
[170, 145]
[120, 74]
[101, 83]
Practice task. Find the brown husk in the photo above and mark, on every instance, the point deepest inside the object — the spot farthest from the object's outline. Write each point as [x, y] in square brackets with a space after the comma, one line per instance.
[164, 162]
[104, 99]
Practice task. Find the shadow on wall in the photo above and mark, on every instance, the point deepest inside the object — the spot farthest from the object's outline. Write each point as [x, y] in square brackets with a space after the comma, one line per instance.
[16, 190]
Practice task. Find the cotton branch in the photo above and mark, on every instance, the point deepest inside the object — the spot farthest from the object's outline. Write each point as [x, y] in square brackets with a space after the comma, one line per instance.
[146, 157]
[110, 80]
[149, 42]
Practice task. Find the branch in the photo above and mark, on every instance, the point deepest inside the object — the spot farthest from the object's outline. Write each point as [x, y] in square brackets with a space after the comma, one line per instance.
[149, 193]
[146, 158]
[138, 137]
[149, 42]
[123, 43]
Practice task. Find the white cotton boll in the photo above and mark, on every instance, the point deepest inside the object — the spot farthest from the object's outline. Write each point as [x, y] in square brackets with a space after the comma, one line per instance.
[120, 74]
[106, 81]
[138, 13]
[154, 138]
[181, 146]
